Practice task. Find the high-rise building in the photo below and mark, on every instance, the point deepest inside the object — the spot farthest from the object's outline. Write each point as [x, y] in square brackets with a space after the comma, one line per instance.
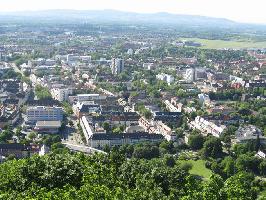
[117, 65]
[190, 75]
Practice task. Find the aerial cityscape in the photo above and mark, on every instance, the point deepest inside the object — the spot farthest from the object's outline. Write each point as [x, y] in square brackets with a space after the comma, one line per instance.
[125, 104]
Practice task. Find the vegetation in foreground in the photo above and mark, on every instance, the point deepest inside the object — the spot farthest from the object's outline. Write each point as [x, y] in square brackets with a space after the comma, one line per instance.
[112, 176]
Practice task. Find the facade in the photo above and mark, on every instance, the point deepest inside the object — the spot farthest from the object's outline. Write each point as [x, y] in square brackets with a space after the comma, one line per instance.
[117, 65]
[206, 127]
[44, 113]
[61, 94]
[190, 75]
[165, 77]
[204, 99]
[86, 108]
[47, 126]
[90, 97]
[19, 150]
[247, 133]
[102, 140]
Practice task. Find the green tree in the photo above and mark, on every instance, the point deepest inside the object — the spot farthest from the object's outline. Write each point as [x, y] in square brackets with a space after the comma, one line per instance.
[212, 148]
[196, 141]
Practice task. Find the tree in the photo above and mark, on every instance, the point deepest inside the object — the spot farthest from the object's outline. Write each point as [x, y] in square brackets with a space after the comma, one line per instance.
[228, 165]
[240, 187]
[212, 148]
[213, 188]
[262, 168]
[71, 123]
[32, 136]
[195, 141]
[106, 126]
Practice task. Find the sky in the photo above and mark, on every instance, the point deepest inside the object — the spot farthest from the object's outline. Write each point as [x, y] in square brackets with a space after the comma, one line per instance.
[251, 11]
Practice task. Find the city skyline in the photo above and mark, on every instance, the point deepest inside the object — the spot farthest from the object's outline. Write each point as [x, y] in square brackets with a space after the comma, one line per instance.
[240, 11]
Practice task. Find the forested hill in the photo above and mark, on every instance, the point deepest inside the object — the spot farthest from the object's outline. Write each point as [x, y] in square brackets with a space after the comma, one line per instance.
[76, 176]
[119, 16]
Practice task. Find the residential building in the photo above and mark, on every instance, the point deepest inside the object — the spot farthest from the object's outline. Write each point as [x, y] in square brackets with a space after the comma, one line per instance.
[117, 65]
[190, 75]
[204, 99]
[165, 77]
[102, 140]
[247, 133]
[86, 108]
[61, 94]
[206, 127]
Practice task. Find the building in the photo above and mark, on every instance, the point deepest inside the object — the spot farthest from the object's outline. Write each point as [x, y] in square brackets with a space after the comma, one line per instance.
[18, 150]
[165, 77]
[206, 127]
[61, 94]
[44, 150]
[164, 130]
[117, 65]
[247, 133]
[261, 154]
[173, 106]
[99, 139]
[204, 99]
[47, 126]
[102, 140]
[86, 108]
[43, 113]
[89, 97]
[148, 66]
[189, 75]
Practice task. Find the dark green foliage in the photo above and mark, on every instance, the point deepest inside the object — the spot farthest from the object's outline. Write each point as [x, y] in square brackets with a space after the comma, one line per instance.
[196, 141]
[42, 92]
[212, 148]
[76, 176]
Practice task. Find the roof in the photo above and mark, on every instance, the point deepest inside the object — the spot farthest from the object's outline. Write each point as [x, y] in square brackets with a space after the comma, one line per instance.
[14, 146]
[53, 124]
[136, 136]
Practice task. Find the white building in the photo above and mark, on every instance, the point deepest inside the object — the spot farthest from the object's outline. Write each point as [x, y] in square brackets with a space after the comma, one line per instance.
[61, 94]
[148, 66]
[89, 97]
[165, 77]
[204, 99]
[189, 75]
[117, 65]
[171, 107]
[206, 127]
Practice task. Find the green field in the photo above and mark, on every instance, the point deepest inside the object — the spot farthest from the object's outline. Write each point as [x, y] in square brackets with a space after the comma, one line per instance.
[199, 169]
[221, 44]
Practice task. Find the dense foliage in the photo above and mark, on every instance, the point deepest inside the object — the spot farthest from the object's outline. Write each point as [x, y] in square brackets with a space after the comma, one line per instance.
[112, 176]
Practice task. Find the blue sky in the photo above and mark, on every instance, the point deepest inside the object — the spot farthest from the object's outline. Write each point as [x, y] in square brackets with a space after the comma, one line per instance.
[239, 10]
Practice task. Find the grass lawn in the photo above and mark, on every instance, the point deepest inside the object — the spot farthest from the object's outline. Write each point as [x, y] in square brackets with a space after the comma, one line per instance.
[198, 168]
[233, 44]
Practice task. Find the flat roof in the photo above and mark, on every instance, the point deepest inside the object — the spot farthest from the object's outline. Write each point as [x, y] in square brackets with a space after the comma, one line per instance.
[87, 95]
[55, 124]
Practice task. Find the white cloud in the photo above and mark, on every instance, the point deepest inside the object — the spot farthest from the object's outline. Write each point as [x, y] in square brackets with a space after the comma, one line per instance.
[239, 10]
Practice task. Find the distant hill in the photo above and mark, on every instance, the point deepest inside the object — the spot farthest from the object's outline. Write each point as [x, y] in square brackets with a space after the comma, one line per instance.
[117, 16]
